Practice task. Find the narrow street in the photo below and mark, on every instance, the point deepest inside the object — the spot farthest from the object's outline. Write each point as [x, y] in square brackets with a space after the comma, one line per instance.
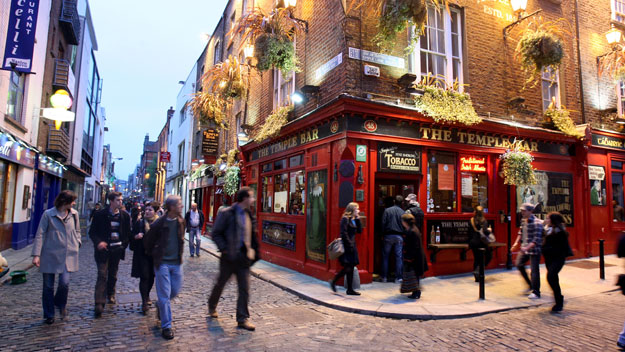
[285, 322]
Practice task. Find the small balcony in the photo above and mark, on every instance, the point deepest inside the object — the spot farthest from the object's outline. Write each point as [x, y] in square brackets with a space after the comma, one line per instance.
[63, 76]
[58, 143]
[70, 22]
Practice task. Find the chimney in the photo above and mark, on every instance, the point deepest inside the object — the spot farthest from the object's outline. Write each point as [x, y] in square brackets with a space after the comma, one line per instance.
[170, 113]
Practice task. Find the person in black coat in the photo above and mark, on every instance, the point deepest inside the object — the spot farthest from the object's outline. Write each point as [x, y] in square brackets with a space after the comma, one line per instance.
[478, 222]
[415, 261]
[142, 263]
[555, 249]
[350, 226]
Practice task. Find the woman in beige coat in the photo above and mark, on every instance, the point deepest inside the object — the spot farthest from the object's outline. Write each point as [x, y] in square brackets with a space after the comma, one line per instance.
[55, 252]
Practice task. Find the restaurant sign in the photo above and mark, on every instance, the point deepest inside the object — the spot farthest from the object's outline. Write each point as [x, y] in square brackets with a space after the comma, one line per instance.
[399, 158]
[12, 150]
[473, 163]
[210, 142]
[49, 165]
[607, 141]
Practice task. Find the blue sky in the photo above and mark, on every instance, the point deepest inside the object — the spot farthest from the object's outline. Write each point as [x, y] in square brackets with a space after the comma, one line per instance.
[144, 49]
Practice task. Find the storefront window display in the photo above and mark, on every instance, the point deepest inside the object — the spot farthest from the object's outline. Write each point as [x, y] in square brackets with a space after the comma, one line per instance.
[441, 182]
[297, 193]
[267, 194]
[473, 183]
[316, 215]
[280, 193]
[618, 213]
[8, 177]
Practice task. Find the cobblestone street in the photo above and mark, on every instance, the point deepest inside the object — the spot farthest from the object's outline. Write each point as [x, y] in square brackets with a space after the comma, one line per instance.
[285, 322]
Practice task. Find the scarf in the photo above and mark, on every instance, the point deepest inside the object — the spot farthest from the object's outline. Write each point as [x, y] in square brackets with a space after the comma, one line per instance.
[147, 222]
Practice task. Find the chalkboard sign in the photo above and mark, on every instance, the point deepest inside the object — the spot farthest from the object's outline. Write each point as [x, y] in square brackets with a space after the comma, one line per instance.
[451, 231]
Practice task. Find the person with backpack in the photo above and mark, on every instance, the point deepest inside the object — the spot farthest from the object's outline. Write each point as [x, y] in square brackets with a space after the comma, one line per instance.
[55, 252]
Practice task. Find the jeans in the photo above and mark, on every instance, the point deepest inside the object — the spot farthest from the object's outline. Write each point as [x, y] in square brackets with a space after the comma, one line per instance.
[107, 262]
[349, 271]
[534, 260]
[241, 269]
[168, 283]
[553, 268]
[621, 337]
[49, 299]
[396, 242]
[194, 240]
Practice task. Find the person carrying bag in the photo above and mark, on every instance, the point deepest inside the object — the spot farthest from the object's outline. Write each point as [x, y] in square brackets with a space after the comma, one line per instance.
[350, 226]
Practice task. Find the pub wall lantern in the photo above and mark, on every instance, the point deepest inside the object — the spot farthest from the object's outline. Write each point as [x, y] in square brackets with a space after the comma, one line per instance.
[61, 102]
[518, 5]
[613, 36]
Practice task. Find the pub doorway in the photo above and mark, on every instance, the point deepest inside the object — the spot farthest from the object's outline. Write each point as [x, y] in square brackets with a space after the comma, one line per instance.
[388, 186]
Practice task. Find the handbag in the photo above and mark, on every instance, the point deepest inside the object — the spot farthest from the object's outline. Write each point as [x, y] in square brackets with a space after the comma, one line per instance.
[486, 239]
[336, 248]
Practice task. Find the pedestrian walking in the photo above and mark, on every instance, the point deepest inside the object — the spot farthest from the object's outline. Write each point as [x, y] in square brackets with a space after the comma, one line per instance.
[165, 243]
[236, 237]
[142, 263]
[415, 261]
[414, 209]
[478, 230]
[555, 249]
[194, 219]
[621, 282]
[393, 231]
[110, 234]
[350, 226]
[55, 252]
[529, 240]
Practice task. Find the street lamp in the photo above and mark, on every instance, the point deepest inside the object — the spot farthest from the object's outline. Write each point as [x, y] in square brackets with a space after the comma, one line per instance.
[518, 5]
[613, 36]
[248, 51]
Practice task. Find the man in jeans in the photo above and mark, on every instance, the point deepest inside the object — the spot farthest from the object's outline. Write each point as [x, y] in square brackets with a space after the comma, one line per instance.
[110, 234]
[165, 243]
[530, 240]
[393, 229]
[194, 220]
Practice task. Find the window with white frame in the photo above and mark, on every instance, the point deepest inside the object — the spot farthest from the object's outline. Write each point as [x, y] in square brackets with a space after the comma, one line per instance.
[618, 11]
[217, 53]
[183, 114]
[181, 156]
[550, 88]
[283, 88]
[439, 50]
[15, 98]
[620, 94]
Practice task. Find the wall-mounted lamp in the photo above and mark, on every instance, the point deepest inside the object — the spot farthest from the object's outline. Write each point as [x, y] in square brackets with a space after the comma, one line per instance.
[248, 51]
[613, 36]
[518, 6]
[302, 96]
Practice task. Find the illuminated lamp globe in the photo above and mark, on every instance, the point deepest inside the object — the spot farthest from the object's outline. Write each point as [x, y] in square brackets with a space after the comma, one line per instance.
[290, 3]
[248, 51]
[518, 5]
[613, 36]
[61, 99]
[61, 102]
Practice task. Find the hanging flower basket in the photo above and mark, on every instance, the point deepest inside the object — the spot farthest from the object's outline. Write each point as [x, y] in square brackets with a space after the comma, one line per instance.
[446, 105]
[209, 107]
[273, 124]
[517, 168]
[231, 182]
[233, 157]
[560, 118]
[275, 51]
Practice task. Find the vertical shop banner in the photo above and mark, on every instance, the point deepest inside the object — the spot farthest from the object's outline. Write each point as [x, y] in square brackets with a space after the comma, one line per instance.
[446, 177]
[552, 192]
[316, 215]
[21, 35]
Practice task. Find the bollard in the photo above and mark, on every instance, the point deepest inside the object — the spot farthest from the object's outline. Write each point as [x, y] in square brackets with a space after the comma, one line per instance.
[601, 260]
[482, 255]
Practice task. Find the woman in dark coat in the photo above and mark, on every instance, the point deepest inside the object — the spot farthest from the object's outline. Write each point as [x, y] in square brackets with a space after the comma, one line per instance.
[350, 226]
[555, 249]
[142, 265]
[415, 262]
[478, 222]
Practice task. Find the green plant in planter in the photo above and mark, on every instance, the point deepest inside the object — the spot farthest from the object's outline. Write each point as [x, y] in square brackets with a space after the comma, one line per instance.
[517, 168]
[232, 157]
[446, 105]
[274, 50]
[539, 48]
[231, 182]
[561, 119]
[273, 124]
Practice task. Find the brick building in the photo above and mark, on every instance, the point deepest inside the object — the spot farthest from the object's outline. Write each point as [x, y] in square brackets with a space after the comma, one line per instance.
[359, 112]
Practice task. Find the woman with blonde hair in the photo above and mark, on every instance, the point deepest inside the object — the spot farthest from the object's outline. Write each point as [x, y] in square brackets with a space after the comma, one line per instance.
[350, 226]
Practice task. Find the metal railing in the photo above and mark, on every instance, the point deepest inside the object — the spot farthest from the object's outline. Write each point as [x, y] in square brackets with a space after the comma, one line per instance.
[70, 22]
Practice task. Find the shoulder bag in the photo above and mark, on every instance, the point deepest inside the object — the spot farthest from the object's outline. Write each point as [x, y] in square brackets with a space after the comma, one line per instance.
[336, 248]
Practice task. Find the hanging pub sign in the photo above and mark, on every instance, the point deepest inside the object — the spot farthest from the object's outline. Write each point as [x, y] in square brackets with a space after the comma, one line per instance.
[399, 158]
[18, 51]
[210, 142]
[473, 163]
[165, 157]
[553, 191]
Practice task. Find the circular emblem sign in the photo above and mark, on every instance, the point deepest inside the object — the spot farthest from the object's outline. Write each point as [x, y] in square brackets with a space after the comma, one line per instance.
[361, 151]
[334, 126]
[370, 126]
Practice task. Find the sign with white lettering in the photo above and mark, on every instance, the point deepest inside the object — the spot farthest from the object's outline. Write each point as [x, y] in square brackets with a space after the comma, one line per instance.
[21, 36]
[329, 66]
[596, 172]
[13, 151]
[399, 158]
[377, 58]
[553, 191]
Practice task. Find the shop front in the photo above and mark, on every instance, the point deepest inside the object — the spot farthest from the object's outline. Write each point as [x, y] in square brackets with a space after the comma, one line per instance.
[364, 152]
[46, 186]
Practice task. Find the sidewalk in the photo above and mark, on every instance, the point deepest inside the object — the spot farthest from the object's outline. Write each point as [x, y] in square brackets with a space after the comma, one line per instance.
[444, 297]
[18, 260]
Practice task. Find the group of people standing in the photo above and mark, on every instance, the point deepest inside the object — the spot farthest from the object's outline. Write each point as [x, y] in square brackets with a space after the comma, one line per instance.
[157, 243]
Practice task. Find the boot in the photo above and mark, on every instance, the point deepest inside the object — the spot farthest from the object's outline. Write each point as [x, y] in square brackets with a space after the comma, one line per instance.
[559, 304]
[415, 295]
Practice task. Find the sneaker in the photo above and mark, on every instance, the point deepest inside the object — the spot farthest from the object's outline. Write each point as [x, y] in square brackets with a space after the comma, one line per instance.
[191, 255]
[415, 295]
[167, 334]
[533, 296]
[112, 299]
[64, 313]
[246, 325]
[213, 314]
[399, 281]
[353, 293]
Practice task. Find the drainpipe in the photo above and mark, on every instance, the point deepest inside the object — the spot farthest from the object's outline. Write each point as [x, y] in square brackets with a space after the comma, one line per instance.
[579, 63]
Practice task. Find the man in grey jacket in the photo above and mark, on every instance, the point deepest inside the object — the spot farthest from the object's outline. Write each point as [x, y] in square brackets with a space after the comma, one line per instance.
[393, 230]
[55, 252]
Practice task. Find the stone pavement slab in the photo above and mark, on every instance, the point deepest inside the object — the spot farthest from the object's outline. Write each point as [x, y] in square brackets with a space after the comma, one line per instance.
[444, 297]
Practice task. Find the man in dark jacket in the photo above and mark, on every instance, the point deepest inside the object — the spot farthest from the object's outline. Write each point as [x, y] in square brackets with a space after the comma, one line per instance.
[235, 235]
[165, 243]
[415, 210]
[194, 219]
[393, 230]
[110, 234]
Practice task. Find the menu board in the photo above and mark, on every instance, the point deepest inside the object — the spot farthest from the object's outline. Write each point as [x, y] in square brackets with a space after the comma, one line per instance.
[210, 141]
[451, 231]
[552, 192]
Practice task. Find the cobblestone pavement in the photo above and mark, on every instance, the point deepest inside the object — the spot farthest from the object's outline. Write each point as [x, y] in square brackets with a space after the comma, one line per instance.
[285, 322]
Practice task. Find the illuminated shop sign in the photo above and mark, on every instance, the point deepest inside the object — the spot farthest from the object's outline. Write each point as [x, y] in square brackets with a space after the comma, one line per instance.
[473, 163]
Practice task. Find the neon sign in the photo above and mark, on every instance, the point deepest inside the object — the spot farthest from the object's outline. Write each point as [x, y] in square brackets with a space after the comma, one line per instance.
[473, 163]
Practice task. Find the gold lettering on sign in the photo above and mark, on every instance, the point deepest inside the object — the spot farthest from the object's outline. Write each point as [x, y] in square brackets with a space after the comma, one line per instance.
[609, 142]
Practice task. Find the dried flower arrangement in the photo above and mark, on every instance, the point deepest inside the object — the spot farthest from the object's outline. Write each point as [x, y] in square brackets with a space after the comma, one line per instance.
[273, 124]
[445, 103]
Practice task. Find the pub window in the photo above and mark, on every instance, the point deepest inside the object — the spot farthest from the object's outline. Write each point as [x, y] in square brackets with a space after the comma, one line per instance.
[618, 200]
[441, 182]
[279, 165]
[439, 51]
[267, 167]
[266, 194]
[297, 193]
[16, 96]
[473, 183]
[620, 94]
[618, 11]
[280, 193]
[295, 160]
[550, 88]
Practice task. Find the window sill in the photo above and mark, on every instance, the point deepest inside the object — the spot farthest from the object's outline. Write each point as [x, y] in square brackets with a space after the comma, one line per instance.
[15, 123]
